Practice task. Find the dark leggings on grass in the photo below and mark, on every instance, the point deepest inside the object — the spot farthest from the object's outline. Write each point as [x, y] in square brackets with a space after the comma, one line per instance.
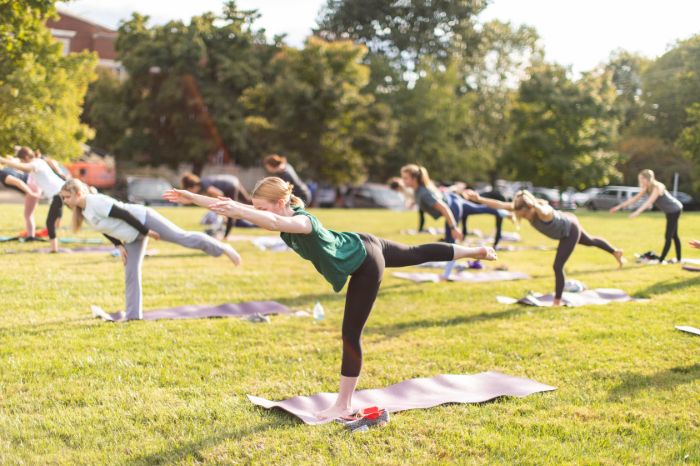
[364, 285]
[566, 247]
[55, 212]
[672, 235]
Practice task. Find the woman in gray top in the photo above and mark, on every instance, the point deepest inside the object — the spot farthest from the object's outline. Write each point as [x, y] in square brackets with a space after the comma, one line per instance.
[561, 226]
[659, 197]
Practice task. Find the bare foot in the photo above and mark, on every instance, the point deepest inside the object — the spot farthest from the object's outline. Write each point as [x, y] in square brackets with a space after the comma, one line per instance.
[618, 257]
[557, 302]
[233, 255]
[486, 253]
[334, 412]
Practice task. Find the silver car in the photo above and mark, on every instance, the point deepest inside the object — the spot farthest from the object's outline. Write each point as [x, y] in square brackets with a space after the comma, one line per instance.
[610, 196]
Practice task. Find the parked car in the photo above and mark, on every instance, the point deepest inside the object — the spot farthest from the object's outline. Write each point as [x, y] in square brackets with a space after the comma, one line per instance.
[550, 195]
[147, 191]
[611, 196]
[373, 196]
[582, 198]
[325, 196]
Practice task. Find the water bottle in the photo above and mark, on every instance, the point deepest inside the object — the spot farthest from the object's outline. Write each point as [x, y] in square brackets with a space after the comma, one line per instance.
[318, 311]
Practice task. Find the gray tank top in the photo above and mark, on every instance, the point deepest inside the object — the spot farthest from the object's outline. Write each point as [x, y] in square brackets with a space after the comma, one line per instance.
[667, 203]
[557, 228]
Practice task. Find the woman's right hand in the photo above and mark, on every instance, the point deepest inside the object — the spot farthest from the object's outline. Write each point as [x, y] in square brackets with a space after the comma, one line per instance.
[614, 209]
[122, 253]
[694, 243]
[471, 195]
[179, 196]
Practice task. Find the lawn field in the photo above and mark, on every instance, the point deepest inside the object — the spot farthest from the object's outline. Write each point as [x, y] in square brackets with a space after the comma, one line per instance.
[75, 390]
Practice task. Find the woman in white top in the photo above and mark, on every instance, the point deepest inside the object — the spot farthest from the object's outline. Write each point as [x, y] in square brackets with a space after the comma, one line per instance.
[46, 180]
[128, 227]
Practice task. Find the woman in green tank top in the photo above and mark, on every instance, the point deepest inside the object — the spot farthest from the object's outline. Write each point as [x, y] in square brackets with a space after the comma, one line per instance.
[336, 256]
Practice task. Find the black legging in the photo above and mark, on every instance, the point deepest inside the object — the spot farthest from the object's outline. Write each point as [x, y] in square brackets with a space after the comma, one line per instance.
[566, 247]
[364, 285]
[55, 212]
[499, 227]
[672, 234]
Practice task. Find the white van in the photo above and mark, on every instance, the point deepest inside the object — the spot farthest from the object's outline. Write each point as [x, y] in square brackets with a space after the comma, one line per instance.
[610, 196]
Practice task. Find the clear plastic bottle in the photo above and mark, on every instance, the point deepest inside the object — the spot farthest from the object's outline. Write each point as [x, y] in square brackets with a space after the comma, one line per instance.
[318, 311]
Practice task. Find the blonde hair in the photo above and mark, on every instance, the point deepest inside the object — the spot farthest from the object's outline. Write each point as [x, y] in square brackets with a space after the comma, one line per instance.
[524, 200]
[74, 186]
[273, 189]
[648, 175]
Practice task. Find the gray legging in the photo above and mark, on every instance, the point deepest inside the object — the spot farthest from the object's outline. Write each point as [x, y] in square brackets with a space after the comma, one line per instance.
[577, 235]
[135, 250]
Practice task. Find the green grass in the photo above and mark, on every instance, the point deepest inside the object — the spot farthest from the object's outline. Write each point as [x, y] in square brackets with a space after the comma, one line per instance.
[74, 390]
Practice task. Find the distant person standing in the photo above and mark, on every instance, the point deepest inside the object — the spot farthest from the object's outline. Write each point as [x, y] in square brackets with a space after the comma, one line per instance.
[659, 197]
[277, 165]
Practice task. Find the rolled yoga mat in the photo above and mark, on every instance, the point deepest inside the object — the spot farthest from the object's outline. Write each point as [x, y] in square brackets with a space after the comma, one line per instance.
[471, 277]
[685, 328]
[583, 298]
[203, 311]
[414, 394]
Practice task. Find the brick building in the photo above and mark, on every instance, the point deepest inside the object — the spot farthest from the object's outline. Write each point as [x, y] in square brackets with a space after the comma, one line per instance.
[78, 34]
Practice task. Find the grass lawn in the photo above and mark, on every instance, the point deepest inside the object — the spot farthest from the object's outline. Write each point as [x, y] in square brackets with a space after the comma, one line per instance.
[74, 390]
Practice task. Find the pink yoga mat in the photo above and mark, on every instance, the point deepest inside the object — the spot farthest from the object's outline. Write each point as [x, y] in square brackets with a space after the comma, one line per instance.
[583, 298]
[471, 277]
[414, 394]
[204, 311]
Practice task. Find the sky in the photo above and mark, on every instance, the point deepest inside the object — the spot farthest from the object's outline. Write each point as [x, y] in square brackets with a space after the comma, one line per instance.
[576, 33]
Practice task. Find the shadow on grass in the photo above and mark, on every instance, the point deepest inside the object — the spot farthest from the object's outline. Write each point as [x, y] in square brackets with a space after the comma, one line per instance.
[664, 380]
[391, 331]
[194, 449]
[305, 299]
[668, 286]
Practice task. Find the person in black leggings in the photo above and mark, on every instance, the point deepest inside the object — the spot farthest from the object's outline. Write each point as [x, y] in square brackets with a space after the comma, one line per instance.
[561, 226]
[337, 256]
[659, 197]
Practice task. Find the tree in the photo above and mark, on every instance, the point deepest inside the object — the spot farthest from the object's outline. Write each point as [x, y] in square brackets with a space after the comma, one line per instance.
[41, 91]
[562, 130]
[181, 100]
[399, 34]
[314, 111]
[670, 85]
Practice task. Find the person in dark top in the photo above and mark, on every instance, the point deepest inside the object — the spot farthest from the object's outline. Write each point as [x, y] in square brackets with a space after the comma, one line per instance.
[659, 197]
[337, 256]
[277, 165]
[562, 226]
[218, 186]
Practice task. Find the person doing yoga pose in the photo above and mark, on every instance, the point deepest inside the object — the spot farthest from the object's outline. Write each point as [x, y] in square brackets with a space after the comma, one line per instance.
[46, 180]
[128, 227]
[562, 226]
[336, 256]
[659, 197]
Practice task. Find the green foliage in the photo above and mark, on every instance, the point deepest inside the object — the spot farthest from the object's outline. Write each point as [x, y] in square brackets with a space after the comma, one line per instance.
[562, 130]
[314, 112]
[41, 91]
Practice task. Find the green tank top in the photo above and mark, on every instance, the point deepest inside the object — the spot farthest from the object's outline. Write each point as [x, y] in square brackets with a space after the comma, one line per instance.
[335, 255]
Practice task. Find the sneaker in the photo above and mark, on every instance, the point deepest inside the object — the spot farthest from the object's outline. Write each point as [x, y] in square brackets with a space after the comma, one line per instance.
[366, 418]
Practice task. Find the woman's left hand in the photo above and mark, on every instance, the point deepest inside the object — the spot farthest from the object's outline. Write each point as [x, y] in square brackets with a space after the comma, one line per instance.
[228, 208]
[457, 234]
[634, 214]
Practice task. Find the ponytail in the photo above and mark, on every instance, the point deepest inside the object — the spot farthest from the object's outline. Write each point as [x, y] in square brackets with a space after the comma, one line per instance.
[649, 175]
[273, 189]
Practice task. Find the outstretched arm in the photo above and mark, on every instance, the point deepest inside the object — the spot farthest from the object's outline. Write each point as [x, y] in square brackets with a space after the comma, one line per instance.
[181, 196]
[493, 203]
[25, 167]
[648, 203]
[629, 201]
[299, 224]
